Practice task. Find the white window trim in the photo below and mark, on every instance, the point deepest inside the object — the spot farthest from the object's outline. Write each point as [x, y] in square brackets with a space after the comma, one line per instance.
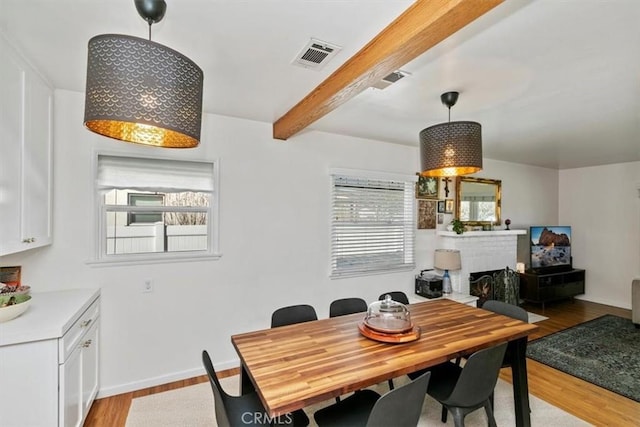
[373, 175]
[213, 225]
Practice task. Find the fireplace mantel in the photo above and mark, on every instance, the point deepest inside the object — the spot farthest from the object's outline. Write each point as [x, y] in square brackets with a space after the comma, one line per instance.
[480, 251]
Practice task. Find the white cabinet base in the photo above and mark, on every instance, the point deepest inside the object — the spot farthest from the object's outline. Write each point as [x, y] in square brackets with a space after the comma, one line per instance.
[49, 360]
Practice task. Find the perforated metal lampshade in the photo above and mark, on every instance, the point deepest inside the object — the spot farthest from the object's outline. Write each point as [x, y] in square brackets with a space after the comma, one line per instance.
[143, 92]
[451, 149]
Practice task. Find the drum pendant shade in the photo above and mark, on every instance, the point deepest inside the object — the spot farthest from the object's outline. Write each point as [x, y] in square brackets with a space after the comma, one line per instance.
[452, 148]
[141, 91]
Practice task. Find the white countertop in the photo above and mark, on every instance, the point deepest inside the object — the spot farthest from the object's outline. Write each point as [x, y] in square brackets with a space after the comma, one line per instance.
[494, 233]
[50, 315]
[454, 296]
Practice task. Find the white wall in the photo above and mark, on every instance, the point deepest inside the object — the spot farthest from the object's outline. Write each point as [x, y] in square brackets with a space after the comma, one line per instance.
[274, 221]
[602, 205]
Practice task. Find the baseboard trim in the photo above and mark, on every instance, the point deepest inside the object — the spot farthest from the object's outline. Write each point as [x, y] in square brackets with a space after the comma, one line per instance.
[164, 379]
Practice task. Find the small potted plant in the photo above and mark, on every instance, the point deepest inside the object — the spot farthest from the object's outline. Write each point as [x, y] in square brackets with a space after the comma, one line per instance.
[458, 226]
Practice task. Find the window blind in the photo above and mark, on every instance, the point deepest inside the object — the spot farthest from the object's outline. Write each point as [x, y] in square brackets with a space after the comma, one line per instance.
[372, 225]
[145, 174]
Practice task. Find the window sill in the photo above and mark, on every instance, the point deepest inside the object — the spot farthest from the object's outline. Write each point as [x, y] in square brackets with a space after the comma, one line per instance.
[155, 259]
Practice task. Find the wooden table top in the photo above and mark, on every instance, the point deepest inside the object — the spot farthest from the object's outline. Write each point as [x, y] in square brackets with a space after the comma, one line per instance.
[298, 365]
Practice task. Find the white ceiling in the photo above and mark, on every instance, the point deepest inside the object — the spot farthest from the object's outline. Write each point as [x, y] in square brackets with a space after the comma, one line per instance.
[553, 83]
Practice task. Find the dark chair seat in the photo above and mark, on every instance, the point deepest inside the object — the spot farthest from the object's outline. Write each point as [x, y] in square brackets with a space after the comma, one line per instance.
[397, 408]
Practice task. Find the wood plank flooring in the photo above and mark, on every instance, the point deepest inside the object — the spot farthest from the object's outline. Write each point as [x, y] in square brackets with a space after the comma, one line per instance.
[591, 403]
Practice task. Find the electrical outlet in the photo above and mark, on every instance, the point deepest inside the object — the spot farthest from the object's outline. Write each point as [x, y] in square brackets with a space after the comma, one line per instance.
[148, 285]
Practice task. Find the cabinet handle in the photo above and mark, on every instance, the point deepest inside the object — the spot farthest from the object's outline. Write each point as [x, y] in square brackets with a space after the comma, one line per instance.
[29, 240]
[86, 344]
[85, 323]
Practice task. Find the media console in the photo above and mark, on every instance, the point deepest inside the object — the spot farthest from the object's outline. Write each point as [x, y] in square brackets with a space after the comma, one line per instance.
[544, 287]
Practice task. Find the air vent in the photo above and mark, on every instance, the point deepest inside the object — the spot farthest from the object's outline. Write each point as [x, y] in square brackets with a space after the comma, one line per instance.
[390, 79]
[316, 54]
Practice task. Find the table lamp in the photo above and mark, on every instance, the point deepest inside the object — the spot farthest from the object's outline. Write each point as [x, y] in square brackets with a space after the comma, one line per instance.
[447, 259]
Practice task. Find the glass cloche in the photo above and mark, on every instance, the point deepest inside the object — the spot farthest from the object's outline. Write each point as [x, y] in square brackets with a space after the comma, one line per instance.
[388, 316]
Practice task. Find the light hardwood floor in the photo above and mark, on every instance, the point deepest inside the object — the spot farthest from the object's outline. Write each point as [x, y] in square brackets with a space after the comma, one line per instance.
[591, 403]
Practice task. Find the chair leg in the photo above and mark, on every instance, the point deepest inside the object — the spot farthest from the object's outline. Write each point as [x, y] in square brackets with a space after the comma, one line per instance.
[443, 415]
[458, 419]
[491, 400]
[489, 411]
[391, 385]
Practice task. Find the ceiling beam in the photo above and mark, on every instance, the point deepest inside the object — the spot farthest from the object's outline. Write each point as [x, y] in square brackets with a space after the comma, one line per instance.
[423, 25]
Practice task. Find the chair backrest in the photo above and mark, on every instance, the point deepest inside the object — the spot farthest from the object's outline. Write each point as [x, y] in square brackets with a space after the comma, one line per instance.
[402, 406]
[219, 395]
[506, 309]
[341, 307]
[397, 296]
[478, 377]
[293, 314]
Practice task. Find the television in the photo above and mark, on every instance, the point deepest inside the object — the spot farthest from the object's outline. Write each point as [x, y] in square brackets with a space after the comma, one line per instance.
[550, 248]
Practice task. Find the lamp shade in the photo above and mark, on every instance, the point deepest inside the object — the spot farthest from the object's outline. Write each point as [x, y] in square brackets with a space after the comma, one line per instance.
[447, 259]
[451, 149]
[143, 92]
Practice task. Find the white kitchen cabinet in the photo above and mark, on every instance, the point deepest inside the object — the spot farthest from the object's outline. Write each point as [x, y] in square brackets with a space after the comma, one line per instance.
[49, 360]
[26, 116]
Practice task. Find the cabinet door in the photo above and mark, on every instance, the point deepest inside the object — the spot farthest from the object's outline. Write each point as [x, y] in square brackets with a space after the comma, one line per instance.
[70, 397]
[90, 352]
[12, 77]
[36, 167]
[26, 104]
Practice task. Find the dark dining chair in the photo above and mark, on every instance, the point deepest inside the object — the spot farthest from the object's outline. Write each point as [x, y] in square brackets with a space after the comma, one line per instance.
[344, 306]
[509, 310]
[512, 311]
[397, 296]
[462, 390]
[293, 314]
[232, 410]
[400, 407]
[288, 316]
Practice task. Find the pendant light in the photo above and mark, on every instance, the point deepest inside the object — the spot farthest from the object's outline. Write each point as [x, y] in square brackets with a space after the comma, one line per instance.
[141, 91]
[452, 148]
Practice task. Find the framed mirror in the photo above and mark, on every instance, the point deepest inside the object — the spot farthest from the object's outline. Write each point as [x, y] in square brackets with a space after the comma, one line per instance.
[478, 200]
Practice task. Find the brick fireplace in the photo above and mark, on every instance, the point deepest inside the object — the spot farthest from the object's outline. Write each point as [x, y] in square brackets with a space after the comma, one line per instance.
[480, 251]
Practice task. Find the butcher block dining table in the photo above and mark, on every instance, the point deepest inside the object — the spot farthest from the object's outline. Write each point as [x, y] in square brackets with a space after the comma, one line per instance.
[295, 366]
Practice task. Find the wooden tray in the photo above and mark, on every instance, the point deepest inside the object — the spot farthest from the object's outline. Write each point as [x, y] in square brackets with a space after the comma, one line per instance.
[412, 335]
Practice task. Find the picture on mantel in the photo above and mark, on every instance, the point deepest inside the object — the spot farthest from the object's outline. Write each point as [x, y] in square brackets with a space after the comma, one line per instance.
[427, 214]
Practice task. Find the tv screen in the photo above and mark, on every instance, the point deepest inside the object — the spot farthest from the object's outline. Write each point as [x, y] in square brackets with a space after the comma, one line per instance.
[550, 247]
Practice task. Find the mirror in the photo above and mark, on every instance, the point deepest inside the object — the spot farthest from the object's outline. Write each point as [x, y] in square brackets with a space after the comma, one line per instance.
[478, 200]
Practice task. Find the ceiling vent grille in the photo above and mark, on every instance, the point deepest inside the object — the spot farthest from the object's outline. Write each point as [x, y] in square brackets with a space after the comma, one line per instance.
[390, 79]
[316, 54]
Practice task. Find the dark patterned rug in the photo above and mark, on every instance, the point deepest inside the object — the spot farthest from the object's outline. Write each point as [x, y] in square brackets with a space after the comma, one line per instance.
[603, 351]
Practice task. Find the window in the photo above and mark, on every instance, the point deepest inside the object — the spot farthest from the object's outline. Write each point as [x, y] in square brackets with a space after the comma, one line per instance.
[373, 223]
[155, 209]
[137, 199]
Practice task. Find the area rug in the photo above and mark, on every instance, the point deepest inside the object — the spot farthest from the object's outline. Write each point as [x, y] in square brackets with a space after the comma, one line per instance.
[193, 407]
[603, 351]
